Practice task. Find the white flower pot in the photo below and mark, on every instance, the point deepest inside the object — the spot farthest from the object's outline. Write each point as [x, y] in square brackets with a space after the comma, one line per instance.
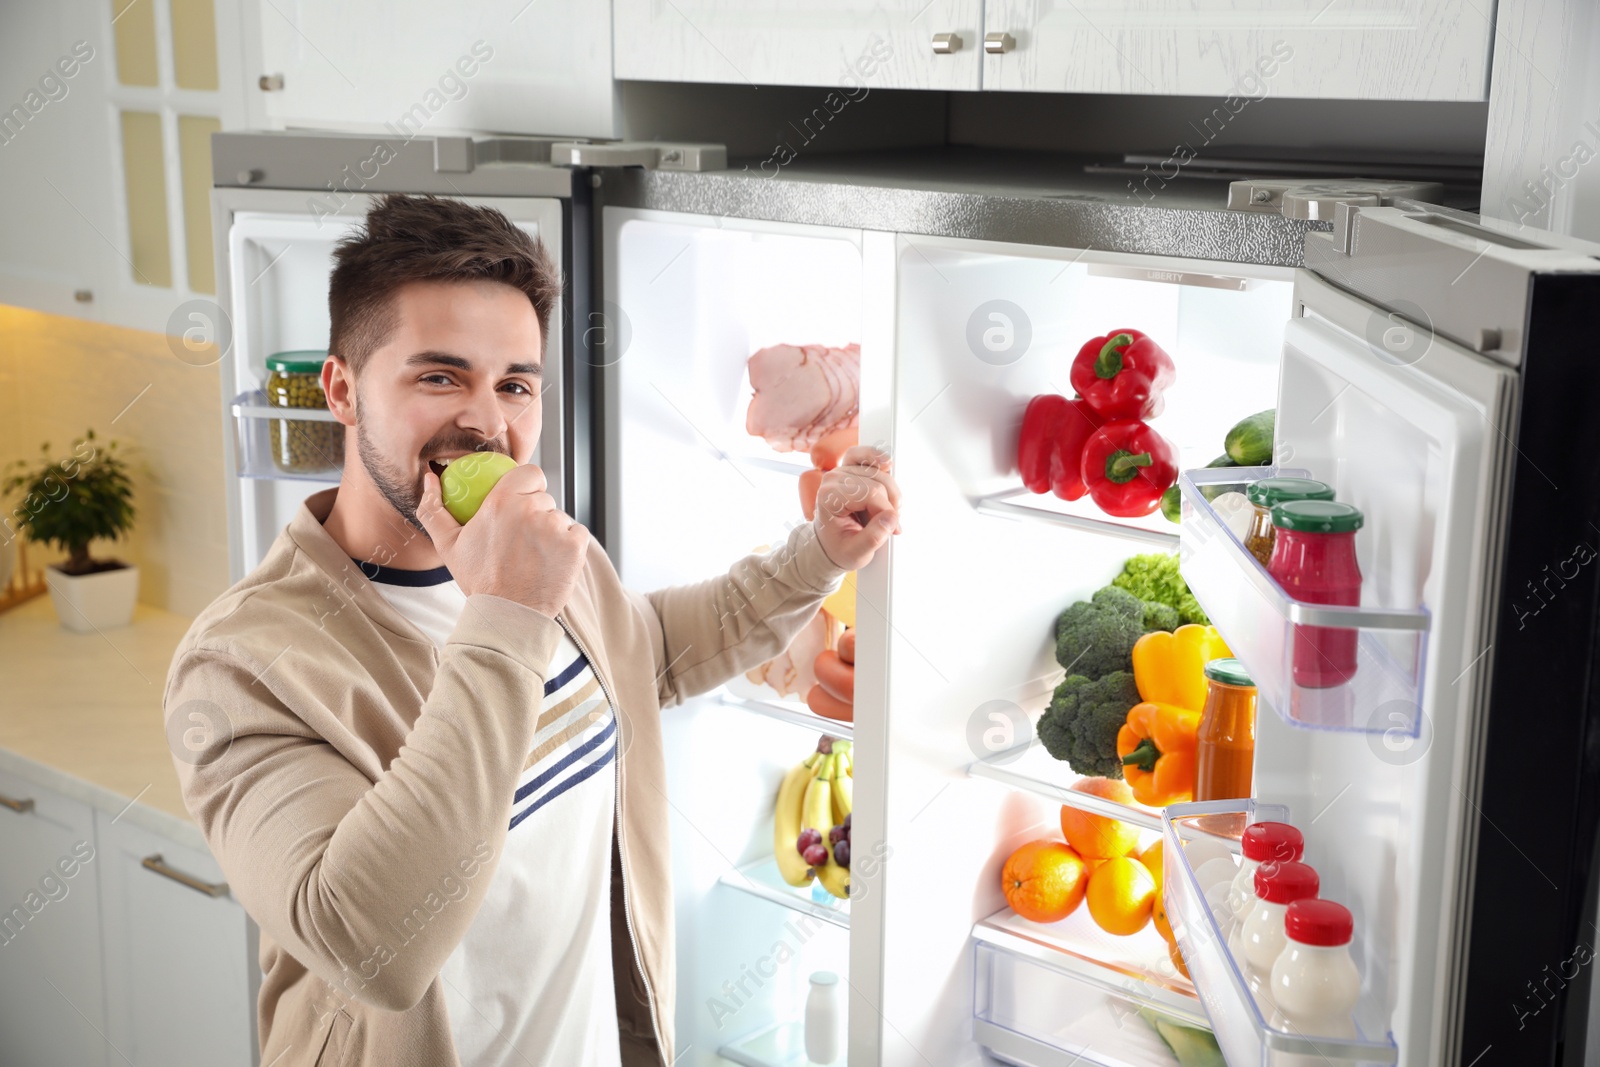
[99, 601]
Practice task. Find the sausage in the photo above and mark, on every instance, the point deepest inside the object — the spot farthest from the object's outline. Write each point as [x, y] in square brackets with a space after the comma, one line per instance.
[829, 707]
[847, 646]
[835, 675]
[810, 483]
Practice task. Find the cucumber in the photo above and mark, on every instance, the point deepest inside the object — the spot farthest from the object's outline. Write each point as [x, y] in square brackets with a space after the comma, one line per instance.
[1249, 443]
[1172, 504]
[1211, 492]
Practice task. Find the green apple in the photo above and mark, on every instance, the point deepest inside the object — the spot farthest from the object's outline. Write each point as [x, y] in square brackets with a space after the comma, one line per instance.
[467, 480]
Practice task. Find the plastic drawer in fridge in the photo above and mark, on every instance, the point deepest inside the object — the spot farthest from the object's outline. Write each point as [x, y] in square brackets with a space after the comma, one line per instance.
[1207, 832]
[1274, 634]
[1029, 1012]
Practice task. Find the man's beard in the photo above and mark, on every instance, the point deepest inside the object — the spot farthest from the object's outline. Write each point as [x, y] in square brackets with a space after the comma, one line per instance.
[402, 495]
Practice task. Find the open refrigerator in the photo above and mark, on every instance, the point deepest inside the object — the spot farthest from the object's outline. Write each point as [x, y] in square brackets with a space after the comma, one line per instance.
[1437, 370]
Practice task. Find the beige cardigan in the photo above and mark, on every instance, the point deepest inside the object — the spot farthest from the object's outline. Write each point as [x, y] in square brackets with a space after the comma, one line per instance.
[355, 782]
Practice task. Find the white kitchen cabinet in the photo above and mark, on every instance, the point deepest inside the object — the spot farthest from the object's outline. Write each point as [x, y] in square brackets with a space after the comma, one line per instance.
[859, 45]
[178, 960]
[104, 226]
[1351, 49]
[505, 66]
[52, 1011]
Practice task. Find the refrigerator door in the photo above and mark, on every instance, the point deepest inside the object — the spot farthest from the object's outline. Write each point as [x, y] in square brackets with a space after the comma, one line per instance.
[275, 254]
[1483, 815]
[688, 489]
[1416, 432]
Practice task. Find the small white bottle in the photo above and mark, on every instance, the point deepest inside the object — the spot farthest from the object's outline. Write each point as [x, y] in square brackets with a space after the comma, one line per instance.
[824, 1019]
[1262, 842]
[1261, 938]
[1315, 984]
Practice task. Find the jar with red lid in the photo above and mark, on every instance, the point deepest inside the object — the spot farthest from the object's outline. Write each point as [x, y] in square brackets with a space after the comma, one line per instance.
[1314, 560]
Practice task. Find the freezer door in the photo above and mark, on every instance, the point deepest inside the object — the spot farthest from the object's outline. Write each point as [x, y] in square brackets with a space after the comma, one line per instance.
[1415, 431]
[275, 254]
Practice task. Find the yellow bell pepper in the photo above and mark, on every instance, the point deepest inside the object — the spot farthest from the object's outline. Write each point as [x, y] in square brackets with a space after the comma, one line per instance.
[1157, 746]
[841, 603]
[1169, 668]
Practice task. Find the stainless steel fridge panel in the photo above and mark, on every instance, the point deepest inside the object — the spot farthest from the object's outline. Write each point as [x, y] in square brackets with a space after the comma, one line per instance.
[332, 167]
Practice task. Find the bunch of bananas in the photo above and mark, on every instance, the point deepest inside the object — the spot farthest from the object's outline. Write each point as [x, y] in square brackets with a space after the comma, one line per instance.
[811, 828]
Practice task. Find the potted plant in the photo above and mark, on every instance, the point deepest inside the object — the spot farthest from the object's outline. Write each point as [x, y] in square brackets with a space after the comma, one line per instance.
[71, 503]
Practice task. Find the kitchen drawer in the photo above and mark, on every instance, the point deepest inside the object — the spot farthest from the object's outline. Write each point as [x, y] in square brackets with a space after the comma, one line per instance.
[1032, 1011]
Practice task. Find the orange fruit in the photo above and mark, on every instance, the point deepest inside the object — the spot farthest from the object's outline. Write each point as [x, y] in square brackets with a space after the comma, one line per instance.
[1095, 836]
[1121, 894]
[1158, 915]
[1177, 959]
[1043, 880]
[1151, 858]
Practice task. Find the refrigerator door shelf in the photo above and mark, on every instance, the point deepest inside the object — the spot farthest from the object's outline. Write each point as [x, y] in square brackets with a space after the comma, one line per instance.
[254, 405]
[257, 455]
[1245, 1037]
[791, 712]
[1032, 769]
[1261, 624]
[761, 879]
[1038, 1011]
[1152, 531]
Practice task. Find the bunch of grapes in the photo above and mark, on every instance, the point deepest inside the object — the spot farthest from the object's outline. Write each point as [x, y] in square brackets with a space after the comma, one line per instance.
[816, 853]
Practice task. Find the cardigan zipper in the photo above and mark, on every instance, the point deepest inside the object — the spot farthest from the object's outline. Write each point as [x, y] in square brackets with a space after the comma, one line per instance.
[622, 851]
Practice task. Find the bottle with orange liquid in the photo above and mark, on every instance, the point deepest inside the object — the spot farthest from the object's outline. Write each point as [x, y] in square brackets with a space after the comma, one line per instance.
[1226, 751]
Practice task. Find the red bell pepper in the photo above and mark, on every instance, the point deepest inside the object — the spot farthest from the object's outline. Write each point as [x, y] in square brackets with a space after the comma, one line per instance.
[1122, 375]
[1050, 446]
[1127, 467]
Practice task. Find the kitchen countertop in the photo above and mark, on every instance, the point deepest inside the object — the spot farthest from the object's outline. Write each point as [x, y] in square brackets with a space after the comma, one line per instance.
[82, 713]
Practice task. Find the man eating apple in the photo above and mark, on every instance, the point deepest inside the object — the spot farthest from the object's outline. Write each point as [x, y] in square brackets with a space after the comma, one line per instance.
[431, 765]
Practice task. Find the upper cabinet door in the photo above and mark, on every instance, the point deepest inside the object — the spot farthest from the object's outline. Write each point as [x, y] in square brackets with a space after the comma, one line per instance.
[511, 66]
[1353, 49]
[858, 45]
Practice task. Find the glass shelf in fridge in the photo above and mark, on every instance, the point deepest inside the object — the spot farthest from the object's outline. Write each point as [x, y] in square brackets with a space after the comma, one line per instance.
[1032, 769]
[1213, 828]
[761, 879]
[1153, 530]
[780, 1045]
[792, 712]
[1262, 623]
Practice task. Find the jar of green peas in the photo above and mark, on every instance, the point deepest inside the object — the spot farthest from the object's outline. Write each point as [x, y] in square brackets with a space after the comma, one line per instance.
[306, 443]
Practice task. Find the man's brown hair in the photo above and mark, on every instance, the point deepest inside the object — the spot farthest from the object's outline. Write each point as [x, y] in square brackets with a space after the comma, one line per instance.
[428, 238]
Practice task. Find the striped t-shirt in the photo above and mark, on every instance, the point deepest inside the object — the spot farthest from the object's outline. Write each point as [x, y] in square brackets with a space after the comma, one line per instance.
[530, 982]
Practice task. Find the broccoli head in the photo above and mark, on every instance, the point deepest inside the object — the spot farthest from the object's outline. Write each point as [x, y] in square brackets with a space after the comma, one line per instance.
[1159, 616]
[1095, 637]
[1155, 577]
[1080, 725]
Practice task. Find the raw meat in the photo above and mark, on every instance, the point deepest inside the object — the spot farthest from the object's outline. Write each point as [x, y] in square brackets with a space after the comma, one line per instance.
[803, 393]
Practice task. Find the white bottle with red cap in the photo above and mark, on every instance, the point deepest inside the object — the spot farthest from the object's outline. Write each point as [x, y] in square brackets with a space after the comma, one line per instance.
[1261, 938]
[1315, 984]
[1261, 842]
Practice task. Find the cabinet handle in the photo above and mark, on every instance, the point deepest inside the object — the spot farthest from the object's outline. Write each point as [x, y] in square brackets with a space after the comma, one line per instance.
[945, 43]
[21, 807]
[210, 889]
[996, 43]
[270, 83]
